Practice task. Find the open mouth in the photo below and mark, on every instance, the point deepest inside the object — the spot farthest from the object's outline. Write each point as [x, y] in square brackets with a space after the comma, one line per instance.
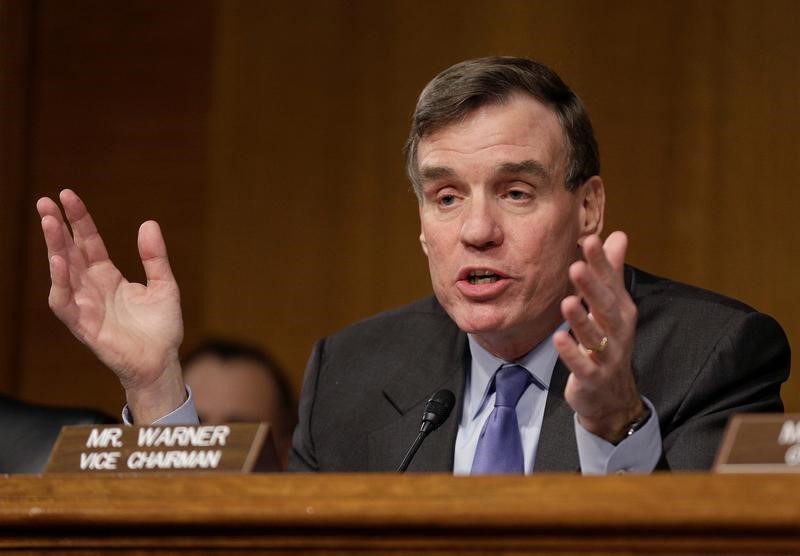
[482, 277]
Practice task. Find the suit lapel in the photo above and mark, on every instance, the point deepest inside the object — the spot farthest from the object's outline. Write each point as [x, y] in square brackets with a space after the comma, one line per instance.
[442, 362]
[557, 449]
[440, 365]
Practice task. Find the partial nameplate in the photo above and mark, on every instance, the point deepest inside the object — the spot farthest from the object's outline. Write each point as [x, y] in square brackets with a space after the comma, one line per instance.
[241, 447]
[760, 443]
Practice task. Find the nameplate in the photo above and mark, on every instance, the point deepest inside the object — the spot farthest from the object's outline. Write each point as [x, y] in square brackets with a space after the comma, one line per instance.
[760, 443]
[241, 447]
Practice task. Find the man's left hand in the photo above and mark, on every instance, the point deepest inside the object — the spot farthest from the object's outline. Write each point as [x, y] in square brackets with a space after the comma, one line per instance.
[602, 316]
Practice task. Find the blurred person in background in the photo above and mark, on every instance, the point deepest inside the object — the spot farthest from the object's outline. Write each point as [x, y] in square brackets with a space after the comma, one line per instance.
[232, 382]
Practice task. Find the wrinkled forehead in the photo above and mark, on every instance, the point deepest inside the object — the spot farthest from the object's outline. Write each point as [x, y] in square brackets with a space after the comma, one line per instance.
[520, 129]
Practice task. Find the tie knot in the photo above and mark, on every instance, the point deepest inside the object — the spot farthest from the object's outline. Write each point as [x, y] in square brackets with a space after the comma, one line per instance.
[510, 383]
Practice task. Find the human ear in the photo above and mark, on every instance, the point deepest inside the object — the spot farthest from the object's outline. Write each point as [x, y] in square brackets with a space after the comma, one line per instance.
[423, 243]
[592, 207]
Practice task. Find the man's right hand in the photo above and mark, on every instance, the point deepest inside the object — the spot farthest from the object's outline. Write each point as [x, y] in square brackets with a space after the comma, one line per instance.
[134, 329]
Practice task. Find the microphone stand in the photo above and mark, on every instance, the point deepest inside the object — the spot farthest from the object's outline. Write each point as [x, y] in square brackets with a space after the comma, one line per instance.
[436, 412]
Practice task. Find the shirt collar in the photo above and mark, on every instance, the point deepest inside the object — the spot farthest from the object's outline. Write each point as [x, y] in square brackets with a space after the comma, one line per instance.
[539, 361]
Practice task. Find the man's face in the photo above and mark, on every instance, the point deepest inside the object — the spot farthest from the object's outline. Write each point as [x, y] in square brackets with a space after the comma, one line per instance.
[232, 391]
[237, 390]
[499, 227]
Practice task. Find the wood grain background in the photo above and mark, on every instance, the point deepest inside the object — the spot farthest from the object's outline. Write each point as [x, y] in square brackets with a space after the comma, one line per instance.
[266, 139]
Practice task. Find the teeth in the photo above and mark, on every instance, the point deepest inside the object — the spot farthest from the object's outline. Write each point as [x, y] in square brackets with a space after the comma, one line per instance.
[482, 276]
[482, 279]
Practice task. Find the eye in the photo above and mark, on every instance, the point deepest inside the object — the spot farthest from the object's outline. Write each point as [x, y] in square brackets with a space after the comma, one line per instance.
[518, 194]
[447, 200]
[447, 197]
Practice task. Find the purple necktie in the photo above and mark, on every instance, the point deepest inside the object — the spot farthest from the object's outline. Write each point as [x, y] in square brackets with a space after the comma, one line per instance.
[500, 446]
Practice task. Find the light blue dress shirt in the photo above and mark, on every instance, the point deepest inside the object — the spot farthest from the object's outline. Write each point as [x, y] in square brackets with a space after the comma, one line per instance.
[479, 402]
[638, 453]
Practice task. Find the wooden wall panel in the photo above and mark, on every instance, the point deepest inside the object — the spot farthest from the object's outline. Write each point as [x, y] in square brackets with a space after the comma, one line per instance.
[121, 103]
[15, 64]
[266, 137]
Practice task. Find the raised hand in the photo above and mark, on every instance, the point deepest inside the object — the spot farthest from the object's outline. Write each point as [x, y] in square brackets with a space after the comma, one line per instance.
[134, 329]
[601, 388]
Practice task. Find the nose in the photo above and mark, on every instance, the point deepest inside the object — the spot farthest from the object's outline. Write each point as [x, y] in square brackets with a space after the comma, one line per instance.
[480, 228]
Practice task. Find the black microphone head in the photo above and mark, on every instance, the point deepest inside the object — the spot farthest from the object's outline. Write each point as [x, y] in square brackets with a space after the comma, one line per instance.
[437, 410]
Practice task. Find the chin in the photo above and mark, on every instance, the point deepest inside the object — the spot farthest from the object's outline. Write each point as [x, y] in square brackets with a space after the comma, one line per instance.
[490, 321]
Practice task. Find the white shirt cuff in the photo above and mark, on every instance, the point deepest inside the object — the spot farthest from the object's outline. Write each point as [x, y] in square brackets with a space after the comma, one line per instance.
[186, 414]
[638, 453]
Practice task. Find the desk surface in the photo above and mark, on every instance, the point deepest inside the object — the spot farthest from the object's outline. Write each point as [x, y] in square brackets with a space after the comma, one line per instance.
[434, 514]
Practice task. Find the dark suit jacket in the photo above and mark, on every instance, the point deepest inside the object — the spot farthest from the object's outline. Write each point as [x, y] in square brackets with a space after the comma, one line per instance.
[699, 357]
[30, 431]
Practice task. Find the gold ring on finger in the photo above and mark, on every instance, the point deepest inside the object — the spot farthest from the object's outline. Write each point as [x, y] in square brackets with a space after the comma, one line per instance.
[600, 348]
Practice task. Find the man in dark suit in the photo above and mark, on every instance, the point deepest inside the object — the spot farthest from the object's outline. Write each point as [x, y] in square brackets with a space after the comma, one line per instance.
[732, 359]
[561, 357]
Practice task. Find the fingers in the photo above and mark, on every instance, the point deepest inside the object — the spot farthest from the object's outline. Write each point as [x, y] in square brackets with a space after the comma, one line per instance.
[61, 298]
[602, 313]
[582, 323]
[84, 231]
[573, 357]
[45, 206]
[59, 242]
[599, 280]
[80, 247]
[606, 261]
[56, 234]
[54, 238]
[57, 253]
[615, 247]
[153, 252]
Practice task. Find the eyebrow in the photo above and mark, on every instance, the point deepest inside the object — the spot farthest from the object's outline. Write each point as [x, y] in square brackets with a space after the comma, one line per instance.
[433, 173]
[524, 167]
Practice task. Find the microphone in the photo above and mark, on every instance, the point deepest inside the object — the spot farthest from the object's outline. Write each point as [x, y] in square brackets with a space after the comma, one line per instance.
[436, 412]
